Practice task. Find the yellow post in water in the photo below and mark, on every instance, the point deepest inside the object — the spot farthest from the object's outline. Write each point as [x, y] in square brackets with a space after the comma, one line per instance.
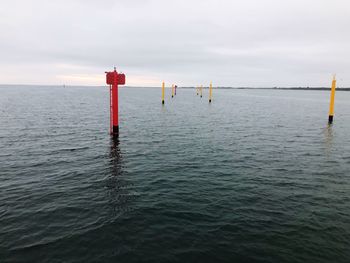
[210, 91]
[197, 90]
[163, 92]
[331, 105]
[172, 91]
[201, 90]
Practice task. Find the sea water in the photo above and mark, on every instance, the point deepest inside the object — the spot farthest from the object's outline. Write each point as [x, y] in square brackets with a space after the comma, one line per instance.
[255, 176]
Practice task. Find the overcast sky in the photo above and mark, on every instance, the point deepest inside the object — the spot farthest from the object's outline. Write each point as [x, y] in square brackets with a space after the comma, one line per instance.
[188, 42]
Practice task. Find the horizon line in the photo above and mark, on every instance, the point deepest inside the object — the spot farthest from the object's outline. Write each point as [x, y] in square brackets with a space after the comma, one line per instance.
[186, 87]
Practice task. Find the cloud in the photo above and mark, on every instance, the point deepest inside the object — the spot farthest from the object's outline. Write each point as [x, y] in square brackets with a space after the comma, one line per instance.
[237, 43]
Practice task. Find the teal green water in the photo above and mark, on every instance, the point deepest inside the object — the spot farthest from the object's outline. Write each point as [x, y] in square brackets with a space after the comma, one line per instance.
[255, 176]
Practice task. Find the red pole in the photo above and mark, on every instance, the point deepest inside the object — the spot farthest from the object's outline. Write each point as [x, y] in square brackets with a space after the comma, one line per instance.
[113, 79]
[110, 110]
[115, 117]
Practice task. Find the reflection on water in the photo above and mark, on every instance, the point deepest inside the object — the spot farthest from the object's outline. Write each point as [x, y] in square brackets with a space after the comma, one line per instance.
[118, 187]
[328, 135]
[115, 156]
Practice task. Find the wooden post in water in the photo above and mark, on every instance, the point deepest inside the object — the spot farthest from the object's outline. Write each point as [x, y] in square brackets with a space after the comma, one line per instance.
[201, 90]
[210, 91]
[172, 91]
[331, 105]
[163, 92]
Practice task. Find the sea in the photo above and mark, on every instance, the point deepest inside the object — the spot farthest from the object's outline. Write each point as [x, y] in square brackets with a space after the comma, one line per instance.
[258, 175]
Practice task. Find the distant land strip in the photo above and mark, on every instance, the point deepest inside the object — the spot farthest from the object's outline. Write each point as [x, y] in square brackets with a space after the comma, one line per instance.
[278, 88]
[182, 87]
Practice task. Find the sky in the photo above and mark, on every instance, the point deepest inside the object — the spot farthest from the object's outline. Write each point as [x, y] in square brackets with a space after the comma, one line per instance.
[251, 43]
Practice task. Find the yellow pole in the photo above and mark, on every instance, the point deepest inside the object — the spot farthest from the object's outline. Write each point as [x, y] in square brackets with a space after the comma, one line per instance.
[210, 91]
[197, 90]
[200, 89]
[163, 92]
[331, 105]
[172, 91]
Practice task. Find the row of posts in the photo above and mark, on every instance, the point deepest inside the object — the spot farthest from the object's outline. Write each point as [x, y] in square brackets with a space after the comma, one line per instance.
[173, 91]
[199, 90]
[113, 79]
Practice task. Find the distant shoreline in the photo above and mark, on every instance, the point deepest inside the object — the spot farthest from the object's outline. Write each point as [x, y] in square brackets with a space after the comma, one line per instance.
[235, 88]
[277, 88]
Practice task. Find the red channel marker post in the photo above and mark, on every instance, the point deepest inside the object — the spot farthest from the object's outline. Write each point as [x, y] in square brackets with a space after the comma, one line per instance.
[114, 79]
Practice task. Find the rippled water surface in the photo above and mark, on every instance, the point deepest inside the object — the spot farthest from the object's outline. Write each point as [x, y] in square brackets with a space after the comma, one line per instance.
[257, 176]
